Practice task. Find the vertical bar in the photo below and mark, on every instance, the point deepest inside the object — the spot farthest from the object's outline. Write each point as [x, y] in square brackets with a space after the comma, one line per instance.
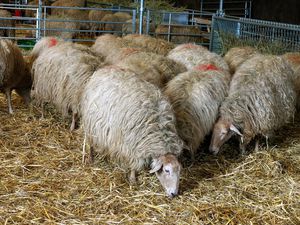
[133, 21]
[169, 26]
[212, 30]
[141, 17]
[44, 22]
[201, 5]
[221, 11]
[38, 21]
[148, 22]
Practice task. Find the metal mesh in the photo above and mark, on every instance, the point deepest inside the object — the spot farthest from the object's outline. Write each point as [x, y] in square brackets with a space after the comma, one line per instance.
[269, 37]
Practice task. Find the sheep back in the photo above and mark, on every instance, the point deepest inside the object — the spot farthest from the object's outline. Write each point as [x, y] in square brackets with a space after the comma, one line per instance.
[196, 96]
[261, 96]
[127, 118]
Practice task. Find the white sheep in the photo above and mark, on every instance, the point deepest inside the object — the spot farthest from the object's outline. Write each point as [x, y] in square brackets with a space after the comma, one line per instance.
[60, 72]
[130, 121]
[192, 55]
[261, 100]
[196, 96]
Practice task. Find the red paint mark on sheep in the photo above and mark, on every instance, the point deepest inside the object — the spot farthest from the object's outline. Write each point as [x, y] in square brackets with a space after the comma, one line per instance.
[205, 67]
[52, 42]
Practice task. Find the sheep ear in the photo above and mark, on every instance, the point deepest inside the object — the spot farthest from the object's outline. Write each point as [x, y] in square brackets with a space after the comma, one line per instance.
[234, 129]
[156, 165]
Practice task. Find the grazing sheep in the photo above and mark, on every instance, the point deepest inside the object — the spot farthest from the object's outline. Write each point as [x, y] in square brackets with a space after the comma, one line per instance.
[60, 72]
[293, 58]
[42, 45]
[192, 55]
[107, 44]
[152, 67]
[150, 44]
[14, 72]
[196, 96]
[130, 121]
[261, 100]
[237, 55]
[9, 23]
[121, 54]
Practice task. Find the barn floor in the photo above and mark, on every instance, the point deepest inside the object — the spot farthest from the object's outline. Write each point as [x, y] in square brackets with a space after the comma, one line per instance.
[43, 181]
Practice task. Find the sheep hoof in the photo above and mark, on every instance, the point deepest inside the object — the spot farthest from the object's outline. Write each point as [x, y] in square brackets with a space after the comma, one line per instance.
[132, 177]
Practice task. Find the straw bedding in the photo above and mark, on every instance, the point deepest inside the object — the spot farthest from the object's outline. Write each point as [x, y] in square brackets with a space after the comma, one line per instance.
[44, 182]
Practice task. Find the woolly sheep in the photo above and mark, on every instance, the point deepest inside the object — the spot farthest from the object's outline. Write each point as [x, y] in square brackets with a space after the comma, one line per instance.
[121, 54]
[152, 67]
[150, 44]
[107, 44]
[293, 58]
[192, 55]
[196, 96]
[261, 99]
[9, 23]
[97, 16]
[237, 55]
[14, 72]
[60, 73]
[130, 121]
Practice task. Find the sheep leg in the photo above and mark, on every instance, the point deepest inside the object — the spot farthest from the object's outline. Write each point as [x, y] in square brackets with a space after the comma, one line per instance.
[74, 119]
[89, 159]
[256, 146]
[8, 97]
[132, 177]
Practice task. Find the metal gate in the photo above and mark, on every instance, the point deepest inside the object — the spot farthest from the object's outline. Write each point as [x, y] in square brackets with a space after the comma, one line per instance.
[270, 37]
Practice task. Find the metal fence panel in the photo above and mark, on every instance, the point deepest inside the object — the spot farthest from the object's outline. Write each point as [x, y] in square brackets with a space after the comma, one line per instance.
[270, 37]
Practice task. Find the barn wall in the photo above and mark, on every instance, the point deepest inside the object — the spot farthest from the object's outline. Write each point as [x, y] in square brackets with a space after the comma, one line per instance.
[286, 11]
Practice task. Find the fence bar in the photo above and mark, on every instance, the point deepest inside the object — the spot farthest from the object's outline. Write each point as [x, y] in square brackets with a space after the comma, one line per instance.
[141, 17]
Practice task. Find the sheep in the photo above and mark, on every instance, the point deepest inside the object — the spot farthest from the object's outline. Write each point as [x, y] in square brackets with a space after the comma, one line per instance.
[149, 43]
[121, 54]
[107, 44]
[293, 58]
[192, 55]
[179, 33]
[60, 73]
[97, 16]
[9, 23]
[14, 72]
[196, 96]
[260, 100]
[63, 29]
[237, 55]
[152, 67]
[130, 121]
[127, 27]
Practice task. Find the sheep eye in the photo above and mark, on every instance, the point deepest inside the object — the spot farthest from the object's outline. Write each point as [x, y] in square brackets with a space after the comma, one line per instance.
[167, 171]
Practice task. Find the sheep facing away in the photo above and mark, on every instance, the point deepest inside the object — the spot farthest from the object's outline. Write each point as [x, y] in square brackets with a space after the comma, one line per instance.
[261, 100]
[130, 121]
[237, 55]
[60, 73]
[196, 96]
[14, 72]
[192, 55]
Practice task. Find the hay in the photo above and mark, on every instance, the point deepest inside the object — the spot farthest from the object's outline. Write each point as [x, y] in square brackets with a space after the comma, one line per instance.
[265, 46]
[44, 182]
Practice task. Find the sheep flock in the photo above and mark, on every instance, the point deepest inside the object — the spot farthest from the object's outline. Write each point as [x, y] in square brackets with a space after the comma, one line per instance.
[108, 131]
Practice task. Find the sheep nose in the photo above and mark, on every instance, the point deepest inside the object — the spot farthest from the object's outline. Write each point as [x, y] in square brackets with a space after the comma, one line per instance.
[173, 195]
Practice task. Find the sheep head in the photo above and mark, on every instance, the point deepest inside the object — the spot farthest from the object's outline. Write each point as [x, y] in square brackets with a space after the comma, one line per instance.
[223, 131]
[167, 169]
